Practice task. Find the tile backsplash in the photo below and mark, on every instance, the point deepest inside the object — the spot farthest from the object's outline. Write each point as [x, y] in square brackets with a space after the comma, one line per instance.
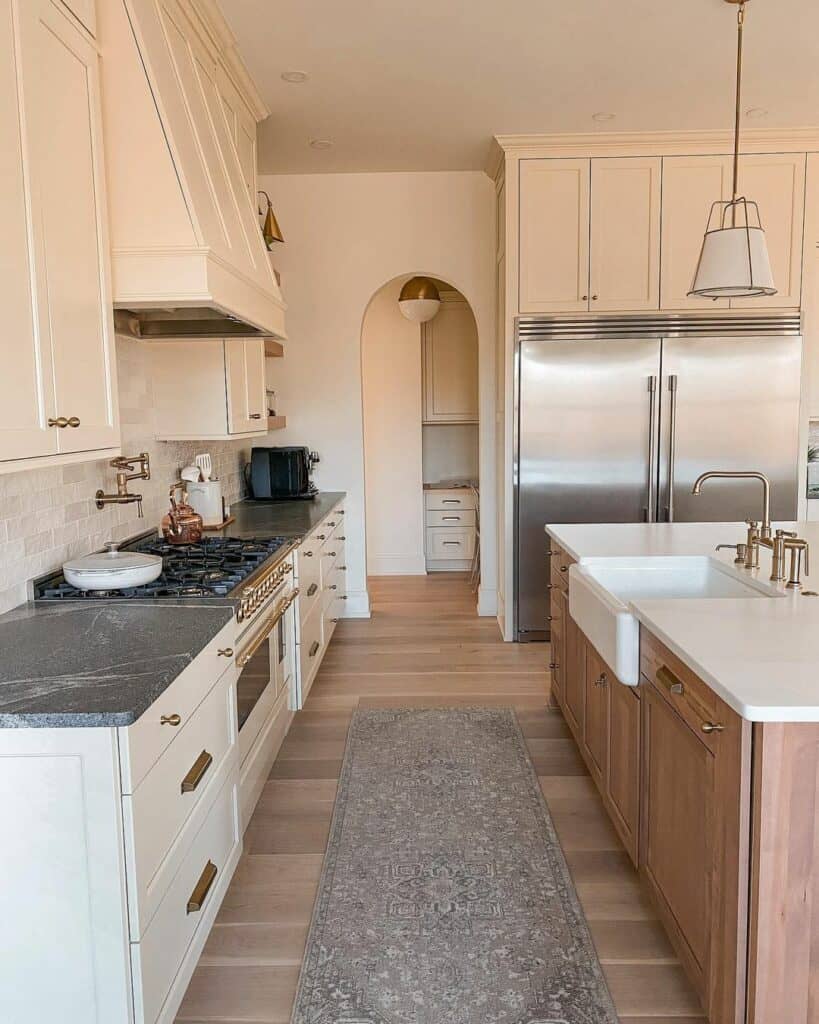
[48, 515]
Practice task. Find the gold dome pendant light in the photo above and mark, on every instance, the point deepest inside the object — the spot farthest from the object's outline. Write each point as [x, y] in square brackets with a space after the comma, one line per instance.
[271, 232]
[419, 300]
[734, 261]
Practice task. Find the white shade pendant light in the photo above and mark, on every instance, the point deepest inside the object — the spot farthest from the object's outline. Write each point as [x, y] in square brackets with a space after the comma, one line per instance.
[419, 300]
[734, 261]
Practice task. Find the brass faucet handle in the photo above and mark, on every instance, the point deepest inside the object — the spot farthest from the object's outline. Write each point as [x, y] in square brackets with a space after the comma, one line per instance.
[785, 533]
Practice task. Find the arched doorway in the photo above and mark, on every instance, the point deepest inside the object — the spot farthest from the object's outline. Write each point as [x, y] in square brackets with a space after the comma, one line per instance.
[421, 425]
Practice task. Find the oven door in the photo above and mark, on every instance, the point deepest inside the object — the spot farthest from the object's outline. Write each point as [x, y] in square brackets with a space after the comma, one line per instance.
[262, 654]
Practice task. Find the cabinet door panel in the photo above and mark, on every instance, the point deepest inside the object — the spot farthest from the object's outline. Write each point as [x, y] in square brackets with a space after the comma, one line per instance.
[450, 345]
[625, 234]
[244, 360]
[678, 786]
[595, 720]
[777, 184]
[26, 391]
[62, 92]
[690, 186]
[623, 775]
[559, 611]
[575, 676]
[554, 236]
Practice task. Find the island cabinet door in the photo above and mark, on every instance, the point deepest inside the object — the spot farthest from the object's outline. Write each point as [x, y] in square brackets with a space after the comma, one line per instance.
[575, 677]
[598, 682]
[623, 775]
[557, 661]
[695, 826]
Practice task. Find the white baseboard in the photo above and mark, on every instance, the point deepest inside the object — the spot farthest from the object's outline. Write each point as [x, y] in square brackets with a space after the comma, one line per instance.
[396, 565]
[357, 605]
[487, 601]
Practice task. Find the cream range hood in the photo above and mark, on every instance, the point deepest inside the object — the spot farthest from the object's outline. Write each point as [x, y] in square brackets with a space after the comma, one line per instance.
[188, 259]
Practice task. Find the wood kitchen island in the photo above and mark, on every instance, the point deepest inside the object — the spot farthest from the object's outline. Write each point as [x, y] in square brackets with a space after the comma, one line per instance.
[709, 771]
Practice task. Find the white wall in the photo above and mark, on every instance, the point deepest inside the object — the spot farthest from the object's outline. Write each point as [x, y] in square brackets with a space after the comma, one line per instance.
[391, 383]
[347, 235]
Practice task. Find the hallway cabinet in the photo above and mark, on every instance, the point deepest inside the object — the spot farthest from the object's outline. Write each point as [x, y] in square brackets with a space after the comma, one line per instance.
[58, 397]
[450, 364]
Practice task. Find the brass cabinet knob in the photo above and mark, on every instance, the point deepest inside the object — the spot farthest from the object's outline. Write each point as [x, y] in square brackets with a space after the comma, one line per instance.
[170, 720]
[330, 554]
[321, 536]
[331, 524]
[314, 648]
[308, 554]
[73, 421]
[342, 568]
[553, 665]
[584, 298]
[60, 422]
[595, 298]
[312, 589]
[709, 727]
[225, 652]
[335, 620]
[342, 538]
[564, 568]
[602, 680]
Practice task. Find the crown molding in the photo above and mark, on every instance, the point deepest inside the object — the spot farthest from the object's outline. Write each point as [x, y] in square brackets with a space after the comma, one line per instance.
[224, 42]
[689, 143]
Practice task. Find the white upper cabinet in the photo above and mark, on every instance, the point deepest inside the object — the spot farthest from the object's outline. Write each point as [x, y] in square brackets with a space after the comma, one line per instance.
[554, 236]
[590, 235]
[450, 364]
[776, 183]
[625, 234]
[209, 390]
[691, 184]
[85, 12]
[58, 389]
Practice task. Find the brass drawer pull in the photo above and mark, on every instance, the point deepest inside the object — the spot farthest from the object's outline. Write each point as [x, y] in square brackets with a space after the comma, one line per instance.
[202, 888]
[308, 554]
[603, 679]
[225, 652]
[330, 554]
[451, 501]
[312, 589]
[197, 772]
[333, 586]
[342, 568]
[553, 665]
[170, 720]
[321, 536]
[331, 524]
[709, 727]
[454, 519]
[314, 648]
[564, 568]
[667, 679]
[342, 538]
[60, 422]
[334, 620]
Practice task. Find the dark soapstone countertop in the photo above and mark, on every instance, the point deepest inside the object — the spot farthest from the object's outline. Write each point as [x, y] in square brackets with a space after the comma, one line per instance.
[292, 519]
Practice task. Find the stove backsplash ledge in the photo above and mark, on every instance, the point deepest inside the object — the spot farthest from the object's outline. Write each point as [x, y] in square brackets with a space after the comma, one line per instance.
[48, 515]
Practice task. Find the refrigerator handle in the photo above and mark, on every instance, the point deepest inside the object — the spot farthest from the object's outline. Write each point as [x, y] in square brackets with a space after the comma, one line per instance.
[649, 512]
[672, 444]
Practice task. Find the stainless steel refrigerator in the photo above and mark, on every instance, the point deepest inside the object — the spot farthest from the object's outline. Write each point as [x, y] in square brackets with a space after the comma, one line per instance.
[616, 417]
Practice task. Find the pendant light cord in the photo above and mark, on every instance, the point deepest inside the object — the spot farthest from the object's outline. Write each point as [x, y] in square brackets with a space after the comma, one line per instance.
[740, 26]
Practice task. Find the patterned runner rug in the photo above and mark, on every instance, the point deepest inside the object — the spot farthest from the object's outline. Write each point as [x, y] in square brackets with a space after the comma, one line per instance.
[445, 897]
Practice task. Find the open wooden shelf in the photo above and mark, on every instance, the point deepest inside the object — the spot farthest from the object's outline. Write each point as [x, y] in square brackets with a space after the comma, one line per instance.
[276, 422]
[273, 348]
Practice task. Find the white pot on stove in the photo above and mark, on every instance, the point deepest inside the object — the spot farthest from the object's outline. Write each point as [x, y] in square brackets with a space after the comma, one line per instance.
[112, 569]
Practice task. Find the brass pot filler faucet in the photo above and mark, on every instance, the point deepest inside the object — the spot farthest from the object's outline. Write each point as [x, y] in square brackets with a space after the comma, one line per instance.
[125, 467]
[760, 535]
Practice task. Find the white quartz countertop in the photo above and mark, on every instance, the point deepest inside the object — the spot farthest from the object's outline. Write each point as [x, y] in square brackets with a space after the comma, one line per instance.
[762, 656]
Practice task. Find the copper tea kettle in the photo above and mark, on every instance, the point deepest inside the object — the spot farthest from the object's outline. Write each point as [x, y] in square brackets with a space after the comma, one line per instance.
[181, 525]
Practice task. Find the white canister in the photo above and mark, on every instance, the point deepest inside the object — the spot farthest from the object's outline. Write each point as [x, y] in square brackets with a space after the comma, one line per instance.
[205, 496]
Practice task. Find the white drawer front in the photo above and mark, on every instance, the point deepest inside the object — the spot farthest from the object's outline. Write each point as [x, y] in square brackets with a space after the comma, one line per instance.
[333, 555]
[156, 814]
[309, 575]
[445, 543]
[459, 499]
[453, 518]
[142, 743]
[158, 957]
[335, 586]
[311, 647]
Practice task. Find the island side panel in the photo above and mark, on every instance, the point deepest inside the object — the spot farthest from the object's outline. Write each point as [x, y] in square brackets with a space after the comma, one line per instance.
[784, 928]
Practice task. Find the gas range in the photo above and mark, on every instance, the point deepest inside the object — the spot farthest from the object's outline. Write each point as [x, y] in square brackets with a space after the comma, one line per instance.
[214, 567]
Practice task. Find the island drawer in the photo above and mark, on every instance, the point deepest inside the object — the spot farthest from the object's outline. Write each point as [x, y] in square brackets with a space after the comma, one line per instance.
[559, 571]
[189, 905]
[142, 743]
[166, 801]
[697, 703]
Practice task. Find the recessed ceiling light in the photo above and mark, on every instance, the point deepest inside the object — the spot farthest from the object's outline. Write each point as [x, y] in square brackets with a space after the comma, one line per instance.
[756, 112]
[321, 143]
[603, 116]
[295, 77]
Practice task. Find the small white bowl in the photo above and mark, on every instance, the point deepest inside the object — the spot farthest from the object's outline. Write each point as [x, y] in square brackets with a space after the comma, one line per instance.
[112, 569]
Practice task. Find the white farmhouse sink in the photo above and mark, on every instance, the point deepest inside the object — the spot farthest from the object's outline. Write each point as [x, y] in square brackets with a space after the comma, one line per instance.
[601, 591]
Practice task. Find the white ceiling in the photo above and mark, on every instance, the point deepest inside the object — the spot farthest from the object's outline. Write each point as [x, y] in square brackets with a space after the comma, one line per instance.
[425, 85]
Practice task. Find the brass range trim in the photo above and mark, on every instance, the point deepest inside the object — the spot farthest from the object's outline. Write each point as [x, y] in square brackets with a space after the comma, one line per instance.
[244, 656]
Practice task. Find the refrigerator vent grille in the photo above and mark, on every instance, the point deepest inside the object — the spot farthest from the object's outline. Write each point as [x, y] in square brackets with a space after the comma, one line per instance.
[543, 328]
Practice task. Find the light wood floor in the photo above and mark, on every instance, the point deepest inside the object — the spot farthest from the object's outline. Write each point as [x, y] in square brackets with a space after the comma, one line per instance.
[423, 646]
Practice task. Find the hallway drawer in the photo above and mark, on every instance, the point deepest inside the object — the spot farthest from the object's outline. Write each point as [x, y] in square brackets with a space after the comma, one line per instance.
[452, 518]
[458, 498]
[449, 543]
